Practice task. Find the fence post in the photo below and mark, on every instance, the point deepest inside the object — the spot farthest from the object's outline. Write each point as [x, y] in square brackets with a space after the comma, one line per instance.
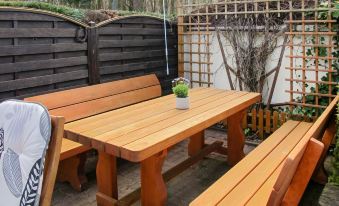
[93, 70]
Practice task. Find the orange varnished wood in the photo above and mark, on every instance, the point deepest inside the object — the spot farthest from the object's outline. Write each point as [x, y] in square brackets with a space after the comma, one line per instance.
[227, 182]
[235, 138]
[106, 178]
[104, 104]
[320, 175]
[243, 192]
[142, 132]
[83, 102]
[285, 161]
[171, 134]
[52, 160]
[196, 143]
[303, 173]
[74, 96]
[118, 136]
[118, 119]
[153, 187]
[72, 170]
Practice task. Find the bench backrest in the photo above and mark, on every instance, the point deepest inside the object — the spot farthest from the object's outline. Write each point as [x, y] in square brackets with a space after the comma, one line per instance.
[290, 181]
[83, 102]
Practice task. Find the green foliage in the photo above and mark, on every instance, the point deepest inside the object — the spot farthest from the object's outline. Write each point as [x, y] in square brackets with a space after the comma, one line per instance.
[334, 178]
[77, 14]
[322, 52]
[180, 90]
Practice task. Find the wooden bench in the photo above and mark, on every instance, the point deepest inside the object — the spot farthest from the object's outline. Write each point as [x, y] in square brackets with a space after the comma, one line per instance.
[83, 102]
[279, 169]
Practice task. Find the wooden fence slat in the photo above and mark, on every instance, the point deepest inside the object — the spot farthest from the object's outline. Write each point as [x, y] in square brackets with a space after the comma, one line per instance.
[42, 80]
[36, 32]
[130, 31]
[275, 120]
[134, 66]
[42, 64]
[261, 123]
[41, 48]
[268, 121]
[134, 55]
[254, 119]
[133, 43]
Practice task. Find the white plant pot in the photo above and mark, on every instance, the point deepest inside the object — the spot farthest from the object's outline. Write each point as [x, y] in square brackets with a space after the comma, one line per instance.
[182, 103]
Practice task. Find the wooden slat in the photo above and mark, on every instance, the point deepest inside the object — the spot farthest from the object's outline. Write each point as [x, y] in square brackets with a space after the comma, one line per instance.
[125, 116]
[74, 96]
[318, 127]
[42, 80]
[41, 48]
[114, 130]
[134, 66]
[143, 148]
[227, 182]
[70, 148]
[268, 121]
[42, 64]
[36, 32]
[134, 55]
[242, 193]
[163, 121]
[96, 106]
[130, 31]
[261, 123]
[133, 43]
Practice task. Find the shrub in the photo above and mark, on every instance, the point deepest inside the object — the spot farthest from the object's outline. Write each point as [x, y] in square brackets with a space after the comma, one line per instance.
[334, 178]
[180, 90]
[78, 14]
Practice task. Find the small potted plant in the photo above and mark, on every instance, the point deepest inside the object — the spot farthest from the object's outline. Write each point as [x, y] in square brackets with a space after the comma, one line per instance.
[180, 90]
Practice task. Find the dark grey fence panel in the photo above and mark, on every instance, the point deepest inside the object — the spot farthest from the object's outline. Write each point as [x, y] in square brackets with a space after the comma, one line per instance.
[40, 53]
[134, 46]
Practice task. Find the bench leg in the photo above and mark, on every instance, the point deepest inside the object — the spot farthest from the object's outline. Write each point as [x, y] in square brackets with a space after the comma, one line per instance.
[235, 138]
[72, 170]
[106, 179]
[196, 143]
[153, 187]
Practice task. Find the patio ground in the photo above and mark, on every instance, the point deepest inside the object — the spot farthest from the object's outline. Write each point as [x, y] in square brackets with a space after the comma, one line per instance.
[181, 189]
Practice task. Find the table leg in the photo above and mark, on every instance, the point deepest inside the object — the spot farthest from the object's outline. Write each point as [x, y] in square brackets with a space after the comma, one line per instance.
[153, 187]
[196, 143]
[106, 180]
[235, 138]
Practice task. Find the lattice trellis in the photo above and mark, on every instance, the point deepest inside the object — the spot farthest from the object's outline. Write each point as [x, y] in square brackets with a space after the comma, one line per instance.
[308, 39]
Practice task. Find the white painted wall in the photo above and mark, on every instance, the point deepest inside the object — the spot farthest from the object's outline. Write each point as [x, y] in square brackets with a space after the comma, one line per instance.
[220, 80]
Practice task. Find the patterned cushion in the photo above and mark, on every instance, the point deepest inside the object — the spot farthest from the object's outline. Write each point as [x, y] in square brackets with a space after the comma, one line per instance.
[25, 130]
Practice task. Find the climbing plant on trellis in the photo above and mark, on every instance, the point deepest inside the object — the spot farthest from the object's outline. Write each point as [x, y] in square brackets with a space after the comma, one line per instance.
[311, 39]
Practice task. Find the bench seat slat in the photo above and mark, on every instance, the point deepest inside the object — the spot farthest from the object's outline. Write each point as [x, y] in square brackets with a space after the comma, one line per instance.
[252, 182]
[227, 182]
[70, 148]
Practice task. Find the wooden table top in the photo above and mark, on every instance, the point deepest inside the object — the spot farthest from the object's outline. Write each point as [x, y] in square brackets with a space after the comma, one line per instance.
[141, 130]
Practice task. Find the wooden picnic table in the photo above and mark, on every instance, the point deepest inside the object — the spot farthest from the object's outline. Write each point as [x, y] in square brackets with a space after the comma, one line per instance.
[144, 132]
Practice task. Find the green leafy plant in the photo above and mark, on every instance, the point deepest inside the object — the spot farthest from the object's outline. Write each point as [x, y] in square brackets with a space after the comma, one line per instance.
[78, 14]
[322, 52]
[181, 90]
[334, 178]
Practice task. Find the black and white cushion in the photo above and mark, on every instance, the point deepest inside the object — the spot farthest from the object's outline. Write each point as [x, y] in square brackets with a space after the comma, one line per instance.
[25, 130]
